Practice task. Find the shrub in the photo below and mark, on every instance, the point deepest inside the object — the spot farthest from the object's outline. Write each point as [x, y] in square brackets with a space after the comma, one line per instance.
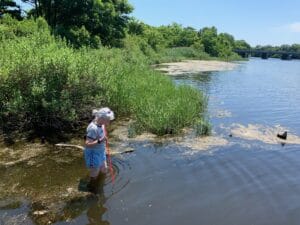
[47, 86]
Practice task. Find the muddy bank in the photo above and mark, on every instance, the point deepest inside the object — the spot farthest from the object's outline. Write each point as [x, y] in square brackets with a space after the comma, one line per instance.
[187, 139]
[195, 66]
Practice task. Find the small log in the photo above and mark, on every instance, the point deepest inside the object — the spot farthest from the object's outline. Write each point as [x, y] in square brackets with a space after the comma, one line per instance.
[82, 148]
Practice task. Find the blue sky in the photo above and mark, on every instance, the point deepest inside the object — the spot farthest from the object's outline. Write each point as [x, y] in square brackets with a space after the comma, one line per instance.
[261, 22]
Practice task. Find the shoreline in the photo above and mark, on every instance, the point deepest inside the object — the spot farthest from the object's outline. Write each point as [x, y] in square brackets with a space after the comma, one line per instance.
[195, 66]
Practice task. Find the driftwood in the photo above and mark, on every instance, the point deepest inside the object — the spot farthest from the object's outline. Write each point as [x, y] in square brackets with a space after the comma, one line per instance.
[69, 146]
[13, 163]
[81, 148]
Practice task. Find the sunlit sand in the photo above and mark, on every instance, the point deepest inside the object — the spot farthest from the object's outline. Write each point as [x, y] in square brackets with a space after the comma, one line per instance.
[195, 66]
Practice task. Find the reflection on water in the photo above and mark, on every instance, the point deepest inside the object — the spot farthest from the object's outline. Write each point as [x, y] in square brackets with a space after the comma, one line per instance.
[246, 181]
[93, 205]
[95, 213]
[229, 186]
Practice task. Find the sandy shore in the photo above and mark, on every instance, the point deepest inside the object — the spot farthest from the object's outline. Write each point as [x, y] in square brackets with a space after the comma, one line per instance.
[195, 66]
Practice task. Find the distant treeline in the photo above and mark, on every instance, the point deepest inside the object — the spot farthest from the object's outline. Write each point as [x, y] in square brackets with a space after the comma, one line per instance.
[294, 48]
[48, 87]
[63, 58]
[97, 23]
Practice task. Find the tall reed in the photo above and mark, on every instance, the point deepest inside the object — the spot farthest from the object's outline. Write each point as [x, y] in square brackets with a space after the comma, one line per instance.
[45, 85]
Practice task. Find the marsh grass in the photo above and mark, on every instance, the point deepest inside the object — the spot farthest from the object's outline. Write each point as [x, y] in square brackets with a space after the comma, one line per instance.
[45, 85]
[178, 54]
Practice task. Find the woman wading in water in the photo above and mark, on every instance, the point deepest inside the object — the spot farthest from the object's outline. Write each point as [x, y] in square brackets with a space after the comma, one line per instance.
[95, 150]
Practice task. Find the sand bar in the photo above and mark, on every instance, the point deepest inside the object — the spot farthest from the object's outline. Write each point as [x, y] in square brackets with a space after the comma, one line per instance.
[195, 66]
[263, 133]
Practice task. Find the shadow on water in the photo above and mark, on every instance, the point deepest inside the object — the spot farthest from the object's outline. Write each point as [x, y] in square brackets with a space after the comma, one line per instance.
[93, 204]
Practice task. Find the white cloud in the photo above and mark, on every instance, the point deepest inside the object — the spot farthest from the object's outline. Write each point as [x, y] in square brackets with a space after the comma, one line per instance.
[294, 27]
[291, 28]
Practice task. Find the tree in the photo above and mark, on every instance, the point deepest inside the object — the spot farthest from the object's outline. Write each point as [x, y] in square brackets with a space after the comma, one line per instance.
[104, 19]
[35, 5]
[172, 34]
[154, 37]
[10, 7]
[295, 48]
[187, 37]
[135, 27]
[241, 45]
[209, 38]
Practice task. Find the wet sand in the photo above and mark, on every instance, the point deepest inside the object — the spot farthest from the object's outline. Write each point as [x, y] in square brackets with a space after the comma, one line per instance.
[187, 139]
[202, 143]
[195, 66]
[264, 134]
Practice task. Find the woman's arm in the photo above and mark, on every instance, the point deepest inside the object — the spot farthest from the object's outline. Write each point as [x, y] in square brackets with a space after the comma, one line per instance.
[90, 142]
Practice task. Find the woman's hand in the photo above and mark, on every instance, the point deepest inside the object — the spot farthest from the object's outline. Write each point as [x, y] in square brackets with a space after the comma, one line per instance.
[102, 139]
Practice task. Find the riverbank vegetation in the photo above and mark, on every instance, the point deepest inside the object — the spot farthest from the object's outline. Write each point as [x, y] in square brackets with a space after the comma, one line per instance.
[70, 58]
[48, 86]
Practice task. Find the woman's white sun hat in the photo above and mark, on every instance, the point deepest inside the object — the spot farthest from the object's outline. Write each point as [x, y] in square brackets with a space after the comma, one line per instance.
[105, 113]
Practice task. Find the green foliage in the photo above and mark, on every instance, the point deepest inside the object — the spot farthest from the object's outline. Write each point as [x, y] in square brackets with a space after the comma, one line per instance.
[186, 41]
[156, 104]
[220, 45]
[11, 28]
[295, 48]
[202, 127]
[137, 48]
[154, 38]
[79, 37]
[135, 27]
[209, 38]
[178, 36]
[47, 86]
[10, 7]
[85, 22]
[96, 23]
[178, 54]
[187, 37]
[242, 45]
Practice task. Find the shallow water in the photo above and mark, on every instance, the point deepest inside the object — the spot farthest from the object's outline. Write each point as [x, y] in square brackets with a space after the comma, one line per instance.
[247, 181]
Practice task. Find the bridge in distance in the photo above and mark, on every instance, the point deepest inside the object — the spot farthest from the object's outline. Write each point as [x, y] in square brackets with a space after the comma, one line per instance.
[266, 54]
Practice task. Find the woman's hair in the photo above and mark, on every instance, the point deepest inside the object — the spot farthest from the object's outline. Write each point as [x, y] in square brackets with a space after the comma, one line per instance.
[94, 112]
[103, 113]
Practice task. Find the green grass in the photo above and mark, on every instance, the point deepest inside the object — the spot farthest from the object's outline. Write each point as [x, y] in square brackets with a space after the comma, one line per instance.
[179, 54]
[45, 85]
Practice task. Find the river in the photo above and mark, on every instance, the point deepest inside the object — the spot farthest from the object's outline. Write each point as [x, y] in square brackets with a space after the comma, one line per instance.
[253, 179]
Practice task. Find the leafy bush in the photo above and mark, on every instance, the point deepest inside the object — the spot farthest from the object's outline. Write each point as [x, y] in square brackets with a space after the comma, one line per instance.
[47, 86]
[180, 53]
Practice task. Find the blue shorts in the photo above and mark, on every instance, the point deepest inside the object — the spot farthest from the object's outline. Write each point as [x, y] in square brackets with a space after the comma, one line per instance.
[94, 158]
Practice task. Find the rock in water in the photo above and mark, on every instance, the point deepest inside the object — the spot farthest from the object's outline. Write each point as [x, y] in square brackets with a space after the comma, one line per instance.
[283, 135]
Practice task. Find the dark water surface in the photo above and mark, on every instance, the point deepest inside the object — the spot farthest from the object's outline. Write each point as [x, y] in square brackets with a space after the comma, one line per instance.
[245, 182]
